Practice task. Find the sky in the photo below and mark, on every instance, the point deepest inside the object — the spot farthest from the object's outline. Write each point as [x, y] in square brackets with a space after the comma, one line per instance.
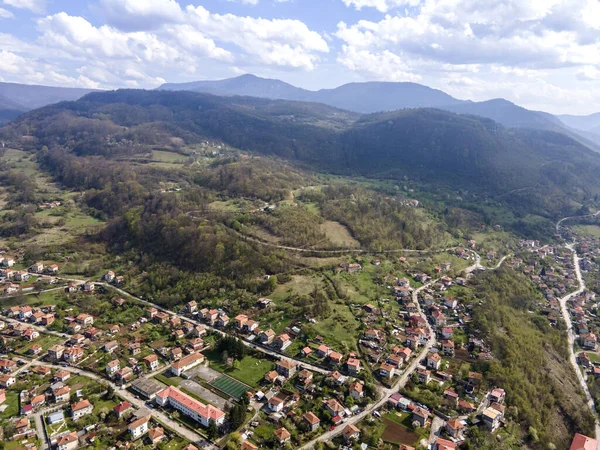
[540, 54]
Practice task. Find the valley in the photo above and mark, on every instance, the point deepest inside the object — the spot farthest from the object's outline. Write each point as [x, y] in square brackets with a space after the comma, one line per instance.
[363, 283]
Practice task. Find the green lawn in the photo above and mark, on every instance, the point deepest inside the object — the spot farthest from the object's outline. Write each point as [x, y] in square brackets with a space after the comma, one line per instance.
[12, 400]
[249, 370]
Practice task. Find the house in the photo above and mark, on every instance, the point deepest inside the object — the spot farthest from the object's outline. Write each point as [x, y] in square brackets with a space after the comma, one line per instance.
[589, 341]
[31, 334]
[497, 395]
[35, 349]
[110, 346]
[122, 409]
[373, 335]
[139, 427]
[175, 354]
[491, 418]
[448, 348]
[353, 365]
[85, 319]
[424, 376]
[323, 351]
[67, 441]
[71, 288]
[266, 337]
[275, 404]
[582, 442]
[387, 371]
[271, 376]
[21, 275]
[306, 351]
[112, 367]
[222, 320]
[124, 374]
[311, 421]
[189, 406]
[421, 416]
[356, 390]
[135, 348]
[434, 361]
[335, 358]
[109, 277]
[186, 363]
[334, 407]
[354, 267]
[286, 368]
[466, 406]
[38, 401]
[264, 303]
[282, 435]
[81, 409]
[240, 321]
[447, 333]
[191, 307]
[350, 433]
[2, 396]
[62, 376]
[247, 445]
[156, 435]
[62, 394]
[454, 428]
[443, 444]
[7, 261]
[439, 318]
[37, 268]
[53, 269]
[282, 342]
[89, 287]
[73, 354]
[250, 326]
[151, 362]
[7, 365]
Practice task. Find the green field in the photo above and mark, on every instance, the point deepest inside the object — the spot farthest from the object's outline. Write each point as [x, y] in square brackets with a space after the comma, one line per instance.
[588, 230]
[230, 386]
[249, 370]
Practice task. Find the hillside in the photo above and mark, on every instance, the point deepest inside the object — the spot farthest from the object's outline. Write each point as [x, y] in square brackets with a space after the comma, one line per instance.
[34, 96]
[430, 146]
[372, 97]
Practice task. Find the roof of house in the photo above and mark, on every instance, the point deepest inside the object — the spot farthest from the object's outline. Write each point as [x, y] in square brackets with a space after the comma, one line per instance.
[188, 360]
[282, 434]
[121, 407]
[286, 364]
[311, 418]
[443, 444]
[67, 438]
[81, 405]
[139, 422]
[582, 442]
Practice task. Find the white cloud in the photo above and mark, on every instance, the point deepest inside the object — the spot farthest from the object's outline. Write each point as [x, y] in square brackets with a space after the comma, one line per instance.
[278, 42]
[5, 14]
[36, 6]
[246, 2]
[134, 15]
[380, 5]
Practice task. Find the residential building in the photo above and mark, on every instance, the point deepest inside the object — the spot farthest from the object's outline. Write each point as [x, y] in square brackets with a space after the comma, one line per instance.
[582, 442]
[311, 421]
[139, 427]
[81, 409]
[286, 368]
[67, 441]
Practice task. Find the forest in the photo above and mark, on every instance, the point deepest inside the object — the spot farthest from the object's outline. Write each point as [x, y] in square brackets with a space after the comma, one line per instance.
[531, 361]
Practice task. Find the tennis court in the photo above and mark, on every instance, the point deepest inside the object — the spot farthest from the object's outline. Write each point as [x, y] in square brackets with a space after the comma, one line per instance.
[230, 386]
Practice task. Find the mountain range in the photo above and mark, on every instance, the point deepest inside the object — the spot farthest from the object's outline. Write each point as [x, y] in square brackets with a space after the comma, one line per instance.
[549, 170]
[370, 97]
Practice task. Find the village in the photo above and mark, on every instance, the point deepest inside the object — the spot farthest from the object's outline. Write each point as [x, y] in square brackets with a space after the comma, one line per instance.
[98, 366]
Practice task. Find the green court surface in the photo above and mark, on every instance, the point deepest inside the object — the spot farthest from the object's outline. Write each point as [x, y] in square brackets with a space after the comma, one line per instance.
[230, 386]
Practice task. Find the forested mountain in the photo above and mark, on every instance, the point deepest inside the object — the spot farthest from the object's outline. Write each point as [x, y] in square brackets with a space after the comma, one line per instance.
[9, 109]
[372, 97]
[29, 96]
[427, 145]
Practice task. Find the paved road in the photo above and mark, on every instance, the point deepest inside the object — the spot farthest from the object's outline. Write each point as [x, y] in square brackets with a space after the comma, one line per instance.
[37, 328]
[567, 318]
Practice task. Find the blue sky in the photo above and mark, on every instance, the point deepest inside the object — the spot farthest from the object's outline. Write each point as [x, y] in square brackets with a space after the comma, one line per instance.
[542, 54]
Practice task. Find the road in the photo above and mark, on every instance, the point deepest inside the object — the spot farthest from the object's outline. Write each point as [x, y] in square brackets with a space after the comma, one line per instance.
[569, 324]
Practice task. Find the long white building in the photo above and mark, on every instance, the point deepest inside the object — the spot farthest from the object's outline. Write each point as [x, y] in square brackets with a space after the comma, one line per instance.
[189, 406]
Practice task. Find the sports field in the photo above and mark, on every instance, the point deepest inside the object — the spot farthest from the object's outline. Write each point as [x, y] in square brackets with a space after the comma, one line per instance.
[230, 386]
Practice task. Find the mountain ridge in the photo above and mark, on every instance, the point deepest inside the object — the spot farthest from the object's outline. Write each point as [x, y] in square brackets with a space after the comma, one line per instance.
[378, 96]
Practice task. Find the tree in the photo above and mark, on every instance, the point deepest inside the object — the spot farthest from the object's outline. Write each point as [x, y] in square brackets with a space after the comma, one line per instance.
[213, 430]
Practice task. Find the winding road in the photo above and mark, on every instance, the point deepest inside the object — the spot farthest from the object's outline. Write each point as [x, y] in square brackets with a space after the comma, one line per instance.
[567, 318]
